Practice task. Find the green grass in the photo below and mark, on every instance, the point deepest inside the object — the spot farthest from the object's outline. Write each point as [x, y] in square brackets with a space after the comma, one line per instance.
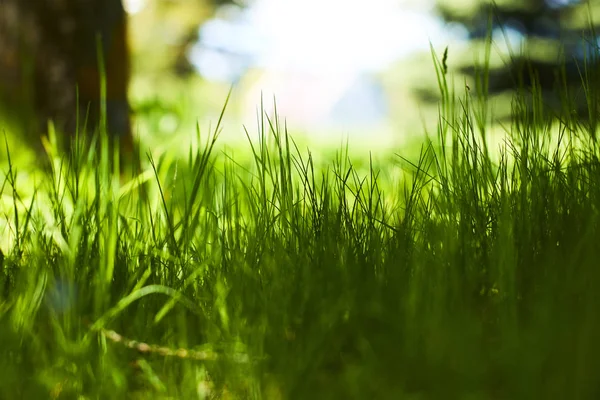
[469, 271]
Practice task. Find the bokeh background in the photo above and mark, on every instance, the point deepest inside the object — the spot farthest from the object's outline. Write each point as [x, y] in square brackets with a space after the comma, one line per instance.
[337, 69]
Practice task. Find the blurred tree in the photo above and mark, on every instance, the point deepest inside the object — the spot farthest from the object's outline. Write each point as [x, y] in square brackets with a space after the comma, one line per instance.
[546, 36]
[48, 48]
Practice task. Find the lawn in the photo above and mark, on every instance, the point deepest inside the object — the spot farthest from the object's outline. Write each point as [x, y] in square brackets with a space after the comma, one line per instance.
[467, 270]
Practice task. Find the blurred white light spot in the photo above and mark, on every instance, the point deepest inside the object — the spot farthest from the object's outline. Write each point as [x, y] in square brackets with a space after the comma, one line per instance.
[168, 123]
[509, 39]
[134, 6]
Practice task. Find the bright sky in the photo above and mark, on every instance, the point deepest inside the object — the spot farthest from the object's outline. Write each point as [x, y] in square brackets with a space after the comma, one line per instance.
[321, 36]
[324, 36]
[311, 52]
[340, 34]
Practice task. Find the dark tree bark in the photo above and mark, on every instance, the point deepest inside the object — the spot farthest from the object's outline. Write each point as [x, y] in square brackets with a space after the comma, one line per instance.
[48, 49]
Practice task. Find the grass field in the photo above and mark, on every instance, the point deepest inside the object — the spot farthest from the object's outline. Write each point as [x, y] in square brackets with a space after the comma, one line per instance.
[467, 271]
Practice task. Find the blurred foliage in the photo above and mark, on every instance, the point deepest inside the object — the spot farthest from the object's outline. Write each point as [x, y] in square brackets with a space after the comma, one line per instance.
[544, 41]
[163, 30]
[168, 97]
